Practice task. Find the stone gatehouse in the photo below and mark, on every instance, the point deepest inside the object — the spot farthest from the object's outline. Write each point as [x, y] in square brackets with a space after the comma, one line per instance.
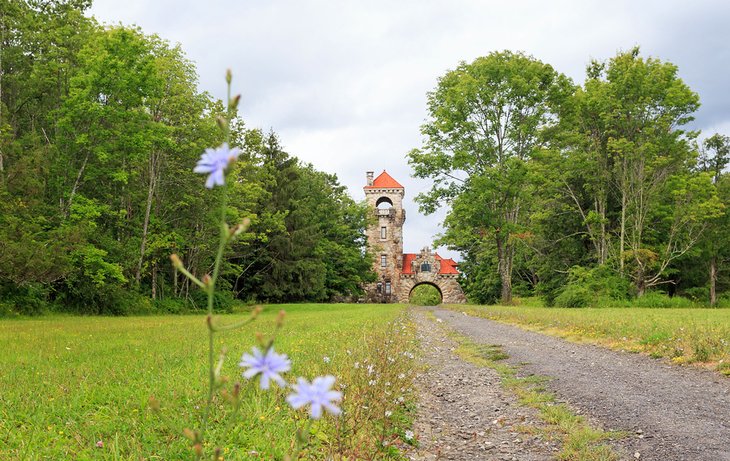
[398, 272]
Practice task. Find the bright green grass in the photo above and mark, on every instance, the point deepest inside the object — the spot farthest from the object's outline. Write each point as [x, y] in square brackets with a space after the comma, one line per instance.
[68, 382]
[683, 335]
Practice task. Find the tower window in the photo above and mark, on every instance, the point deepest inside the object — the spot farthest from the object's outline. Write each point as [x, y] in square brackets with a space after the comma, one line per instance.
[383, 260]
[425, 267]
[387, 287]
[383, 232]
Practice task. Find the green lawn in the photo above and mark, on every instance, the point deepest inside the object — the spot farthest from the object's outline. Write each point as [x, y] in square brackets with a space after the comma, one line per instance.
[683, 335]
[70, 382]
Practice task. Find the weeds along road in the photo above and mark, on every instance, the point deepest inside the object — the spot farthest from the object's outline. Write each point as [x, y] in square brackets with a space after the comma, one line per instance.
[672, 413]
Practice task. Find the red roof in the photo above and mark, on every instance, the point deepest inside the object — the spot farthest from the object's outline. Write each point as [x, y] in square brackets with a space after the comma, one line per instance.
[384, 181]
[448, 266]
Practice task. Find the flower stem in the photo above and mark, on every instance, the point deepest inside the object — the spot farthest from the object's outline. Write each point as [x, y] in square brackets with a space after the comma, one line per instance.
[211, 283]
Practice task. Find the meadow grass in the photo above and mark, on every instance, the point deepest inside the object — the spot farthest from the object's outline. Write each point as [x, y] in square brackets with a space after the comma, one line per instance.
[68, 383]
[696, 335]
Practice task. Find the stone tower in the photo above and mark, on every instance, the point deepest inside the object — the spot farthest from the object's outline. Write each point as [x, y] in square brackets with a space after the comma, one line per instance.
[399, 273]
[384, 195]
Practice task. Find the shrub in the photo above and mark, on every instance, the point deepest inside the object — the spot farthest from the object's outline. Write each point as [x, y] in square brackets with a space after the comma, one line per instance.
[723, 301]
[698, 294]
[595, 286]
[222, 301]
[105, 300]
[573, 296]
[170, 306]
[31, 299]
[658, 299]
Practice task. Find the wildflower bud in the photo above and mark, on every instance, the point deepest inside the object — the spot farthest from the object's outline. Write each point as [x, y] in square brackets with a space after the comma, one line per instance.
[218, 454]
[259, 337]
[176, 261]
[222, 122]
[234, 102]
[280, 318]
[153, 403]
[206, 280]
[240, 227]
[189, 434]
[229, 75]
[198, 449]
[256, 311]
[236, 390]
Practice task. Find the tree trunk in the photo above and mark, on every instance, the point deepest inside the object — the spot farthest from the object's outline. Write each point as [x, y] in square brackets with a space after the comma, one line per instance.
[154, 281]
[623, 233]
[640, 282]
[76, 185]
[713, 281]
[504, 257]
[603, 256]
[145, 226]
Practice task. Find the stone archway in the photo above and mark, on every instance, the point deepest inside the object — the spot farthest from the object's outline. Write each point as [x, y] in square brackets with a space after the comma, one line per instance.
[446, 284]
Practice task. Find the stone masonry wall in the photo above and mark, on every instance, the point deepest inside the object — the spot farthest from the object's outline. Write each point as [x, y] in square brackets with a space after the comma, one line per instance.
[391, 246]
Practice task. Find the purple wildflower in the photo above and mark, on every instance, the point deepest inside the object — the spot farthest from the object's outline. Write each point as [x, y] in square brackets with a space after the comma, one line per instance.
[215, 161]
[269, 365]
[318, 395]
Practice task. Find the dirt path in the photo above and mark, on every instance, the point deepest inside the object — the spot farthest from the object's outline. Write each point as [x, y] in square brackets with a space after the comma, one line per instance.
[673, 413]
[464, 414]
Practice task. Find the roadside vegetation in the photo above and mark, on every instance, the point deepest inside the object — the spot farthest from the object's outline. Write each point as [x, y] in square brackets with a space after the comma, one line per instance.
[80, 387]
[700, 335]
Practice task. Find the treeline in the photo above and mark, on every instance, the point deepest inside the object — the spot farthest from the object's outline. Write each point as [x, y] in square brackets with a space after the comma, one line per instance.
[100, 128]
[593, 194]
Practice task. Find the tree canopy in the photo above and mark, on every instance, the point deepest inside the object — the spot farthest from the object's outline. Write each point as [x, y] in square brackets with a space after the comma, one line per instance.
[100, 127]
[545, 180]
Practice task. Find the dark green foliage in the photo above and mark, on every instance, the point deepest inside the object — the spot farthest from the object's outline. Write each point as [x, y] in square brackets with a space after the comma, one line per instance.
[481, 284]
[307, 234]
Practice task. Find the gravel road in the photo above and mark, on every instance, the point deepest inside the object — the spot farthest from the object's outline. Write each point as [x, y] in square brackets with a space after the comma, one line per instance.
[464, 413]
[673, 413]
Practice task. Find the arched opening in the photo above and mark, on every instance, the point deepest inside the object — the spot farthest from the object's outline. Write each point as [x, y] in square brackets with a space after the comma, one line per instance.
[425, 294]
[383, 203]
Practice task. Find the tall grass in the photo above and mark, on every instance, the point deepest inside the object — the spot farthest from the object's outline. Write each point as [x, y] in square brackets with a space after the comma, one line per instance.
[683, 335]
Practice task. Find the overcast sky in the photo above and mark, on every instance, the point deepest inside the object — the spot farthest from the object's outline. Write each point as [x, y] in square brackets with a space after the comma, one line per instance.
[344, 83]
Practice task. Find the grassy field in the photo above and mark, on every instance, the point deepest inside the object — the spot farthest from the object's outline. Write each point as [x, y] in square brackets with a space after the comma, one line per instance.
[697, 335]
[79, 387]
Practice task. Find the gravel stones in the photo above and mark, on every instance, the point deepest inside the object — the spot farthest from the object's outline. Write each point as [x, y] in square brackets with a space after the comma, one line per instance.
[463, 412]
